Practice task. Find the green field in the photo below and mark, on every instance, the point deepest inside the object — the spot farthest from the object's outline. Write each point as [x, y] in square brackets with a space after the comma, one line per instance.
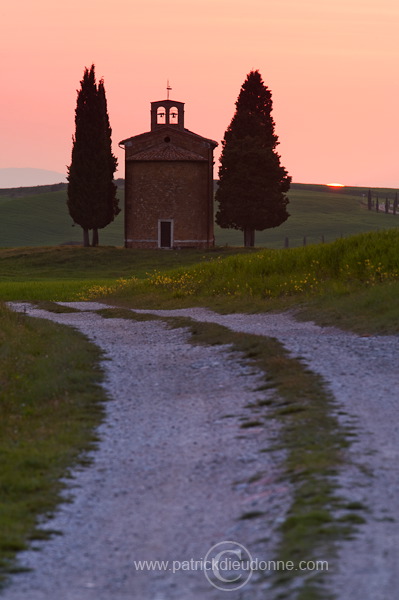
[316, 211]
[43, 220]
[64, 272]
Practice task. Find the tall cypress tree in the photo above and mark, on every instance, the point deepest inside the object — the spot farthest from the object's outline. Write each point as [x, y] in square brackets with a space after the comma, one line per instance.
[92, 201]
[252, 183]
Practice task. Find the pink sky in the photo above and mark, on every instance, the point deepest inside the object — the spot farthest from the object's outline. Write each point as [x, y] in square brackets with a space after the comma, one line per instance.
[332, 67]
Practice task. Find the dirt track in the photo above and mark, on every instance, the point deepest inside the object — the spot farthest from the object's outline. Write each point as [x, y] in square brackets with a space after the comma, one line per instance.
[171, 475]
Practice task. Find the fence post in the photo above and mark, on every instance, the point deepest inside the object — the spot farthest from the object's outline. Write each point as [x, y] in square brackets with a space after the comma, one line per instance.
[369, 200]
[286, 242]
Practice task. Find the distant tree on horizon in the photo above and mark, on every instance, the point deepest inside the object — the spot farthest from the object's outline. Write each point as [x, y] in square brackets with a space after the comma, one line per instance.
[92, 201]
[252, 183]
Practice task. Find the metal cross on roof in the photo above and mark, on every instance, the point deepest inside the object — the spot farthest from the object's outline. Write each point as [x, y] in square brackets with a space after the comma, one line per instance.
[168, 89]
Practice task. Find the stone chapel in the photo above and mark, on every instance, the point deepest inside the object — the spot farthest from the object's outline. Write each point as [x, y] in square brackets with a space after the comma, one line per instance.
[168, 183]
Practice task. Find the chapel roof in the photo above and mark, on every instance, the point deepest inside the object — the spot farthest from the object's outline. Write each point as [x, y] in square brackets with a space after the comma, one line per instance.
[166, 151]
[167, 130]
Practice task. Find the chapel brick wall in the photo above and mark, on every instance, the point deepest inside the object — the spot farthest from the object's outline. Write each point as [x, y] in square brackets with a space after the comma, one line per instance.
[168, 190]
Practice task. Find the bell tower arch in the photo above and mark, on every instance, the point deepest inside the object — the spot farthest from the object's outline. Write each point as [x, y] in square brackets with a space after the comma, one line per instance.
[167, 113]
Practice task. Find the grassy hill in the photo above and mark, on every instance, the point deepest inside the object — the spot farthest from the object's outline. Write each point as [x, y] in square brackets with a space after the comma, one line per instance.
[43, 220]
[40, 218]
[316, 212]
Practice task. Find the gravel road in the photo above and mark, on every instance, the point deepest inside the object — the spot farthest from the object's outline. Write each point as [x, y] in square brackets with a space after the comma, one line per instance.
[171, 475]
[172, 472]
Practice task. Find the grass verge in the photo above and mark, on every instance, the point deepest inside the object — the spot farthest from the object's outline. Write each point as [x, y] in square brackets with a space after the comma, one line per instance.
[314, 443]
[50, 403]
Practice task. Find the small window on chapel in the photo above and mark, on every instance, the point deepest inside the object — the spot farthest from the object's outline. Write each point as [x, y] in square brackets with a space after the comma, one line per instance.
[161, 116]
[173, 115]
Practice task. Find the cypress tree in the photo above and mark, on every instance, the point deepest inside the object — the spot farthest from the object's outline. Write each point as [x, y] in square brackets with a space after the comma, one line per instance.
[92, 201]
[252, 183]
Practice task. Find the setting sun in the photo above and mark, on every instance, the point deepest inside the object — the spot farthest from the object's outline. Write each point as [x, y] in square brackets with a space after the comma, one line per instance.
[337, 185]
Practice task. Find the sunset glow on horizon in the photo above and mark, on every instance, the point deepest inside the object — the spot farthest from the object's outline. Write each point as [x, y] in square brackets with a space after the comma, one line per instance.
[331, 67]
